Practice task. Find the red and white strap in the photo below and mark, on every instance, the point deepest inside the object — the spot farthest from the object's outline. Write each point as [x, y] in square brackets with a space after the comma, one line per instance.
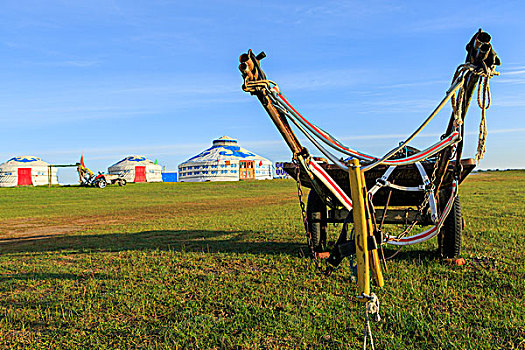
[327, 180]
[431, 232]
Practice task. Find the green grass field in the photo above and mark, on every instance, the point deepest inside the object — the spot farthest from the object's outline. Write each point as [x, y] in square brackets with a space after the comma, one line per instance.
[222, 266]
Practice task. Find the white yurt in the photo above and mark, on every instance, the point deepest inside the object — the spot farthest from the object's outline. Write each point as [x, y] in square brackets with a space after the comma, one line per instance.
[137, 169]
[25, 171]
[225, 160]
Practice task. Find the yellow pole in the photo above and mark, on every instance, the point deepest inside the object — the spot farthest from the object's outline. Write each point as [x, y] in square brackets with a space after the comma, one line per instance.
[360, 229]
[375, 265]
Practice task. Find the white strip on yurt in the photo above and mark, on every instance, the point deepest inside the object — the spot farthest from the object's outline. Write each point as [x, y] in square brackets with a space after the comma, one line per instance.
[126, 167]
[221, 161]
[39, 171]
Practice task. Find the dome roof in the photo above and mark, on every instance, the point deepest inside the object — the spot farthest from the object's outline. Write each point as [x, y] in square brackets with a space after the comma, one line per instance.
[134, 160]
[24, 161]
[225, 141]
[225, 148]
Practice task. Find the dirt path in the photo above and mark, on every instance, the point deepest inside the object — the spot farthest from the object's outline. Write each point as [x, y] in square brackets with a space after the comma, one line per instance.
[20, 229]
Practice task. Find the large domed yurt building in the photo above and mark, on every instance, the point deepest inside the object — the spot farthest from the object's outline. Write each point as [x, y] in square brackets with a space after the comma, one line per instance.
[137, 169]
[225, 160]
[26, 171]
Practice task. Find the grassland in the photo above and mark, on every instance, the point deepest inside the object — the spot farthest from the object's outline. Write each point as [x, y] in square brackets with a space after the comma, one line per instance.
[222, 266]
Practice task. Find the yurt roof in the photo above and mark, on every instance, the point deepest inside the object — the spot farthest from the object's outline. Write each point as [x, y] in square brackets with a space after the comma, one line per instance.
[225, 141]
[134, 160]
[24, 161]
[224, 148]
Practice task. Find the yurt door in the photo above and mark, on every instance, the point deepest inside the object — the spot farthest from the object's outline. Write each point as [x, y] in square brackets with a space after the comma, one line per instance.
[246, 170]
[140, 174]
[24, 177]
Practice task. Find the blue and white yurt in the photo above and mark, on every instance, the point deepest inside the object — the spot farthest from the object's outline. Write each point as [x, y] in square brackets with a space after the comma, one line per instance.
[225, 160]
[26, 171]
[137, 169]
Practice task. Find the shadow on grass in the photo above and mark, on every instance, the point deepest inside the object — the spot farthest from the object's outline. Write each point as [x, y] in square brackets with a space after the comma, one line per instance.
[244, 242]
[50, 276]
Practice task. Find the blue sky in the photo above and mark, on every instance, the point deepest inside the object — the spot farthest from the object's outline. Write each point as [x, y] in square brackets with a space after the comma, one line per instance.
[159, 78]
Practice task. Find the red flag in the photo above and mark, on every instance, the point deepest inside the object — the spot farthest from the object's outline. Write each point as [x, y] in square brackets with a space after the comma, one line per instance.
[82, 161]
[260, 163]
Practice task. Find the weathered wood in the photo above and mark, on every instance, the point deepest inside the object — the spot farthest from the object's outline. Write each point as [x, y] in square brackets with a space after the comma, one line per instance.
[480, 54]
[280, 123]
[406, 175]
[393, 216]
[252, 73]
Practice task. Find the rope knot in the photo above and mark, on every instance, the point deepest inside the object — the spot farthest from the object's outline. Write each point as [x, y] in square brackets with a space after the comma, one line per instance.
[371, 308]
[484, 99]
[253, 85]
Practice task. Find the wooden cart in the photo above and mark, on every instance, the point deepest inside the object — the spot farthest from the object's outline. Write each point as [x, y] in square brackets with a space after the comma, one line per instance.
[405, 186]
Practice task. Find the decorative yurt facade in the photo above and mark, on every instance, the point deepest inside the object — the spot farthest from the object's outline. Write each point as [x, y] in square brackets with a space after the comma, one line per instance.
[225, 160]
[26, 171]
[137, 169]
[280, 173]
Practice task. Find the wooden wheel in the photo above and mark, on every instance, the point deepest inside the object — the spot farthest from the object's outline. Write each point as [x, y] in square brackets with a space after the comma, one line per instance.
[316, 217]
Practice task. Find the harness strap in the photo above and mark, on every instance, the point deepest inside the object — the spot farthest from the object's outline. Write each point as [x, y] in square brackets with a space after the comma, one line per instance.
[330, 183]
[382, 181]
[279, 100]
[431, 196]
[431, 232]
[405, 188]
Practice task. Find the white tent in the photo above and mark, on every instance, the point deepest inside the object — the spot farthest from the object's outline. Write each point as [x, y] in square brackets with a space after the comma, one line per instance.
[225, 160]
[26, 170]
[137, 169]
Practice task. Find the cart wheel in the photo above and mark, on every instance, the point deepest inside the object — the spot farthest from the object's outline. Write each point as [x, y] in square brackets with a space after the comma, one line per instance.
[101, 183]
[316, 216]
[122, 182]
[449, 239]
